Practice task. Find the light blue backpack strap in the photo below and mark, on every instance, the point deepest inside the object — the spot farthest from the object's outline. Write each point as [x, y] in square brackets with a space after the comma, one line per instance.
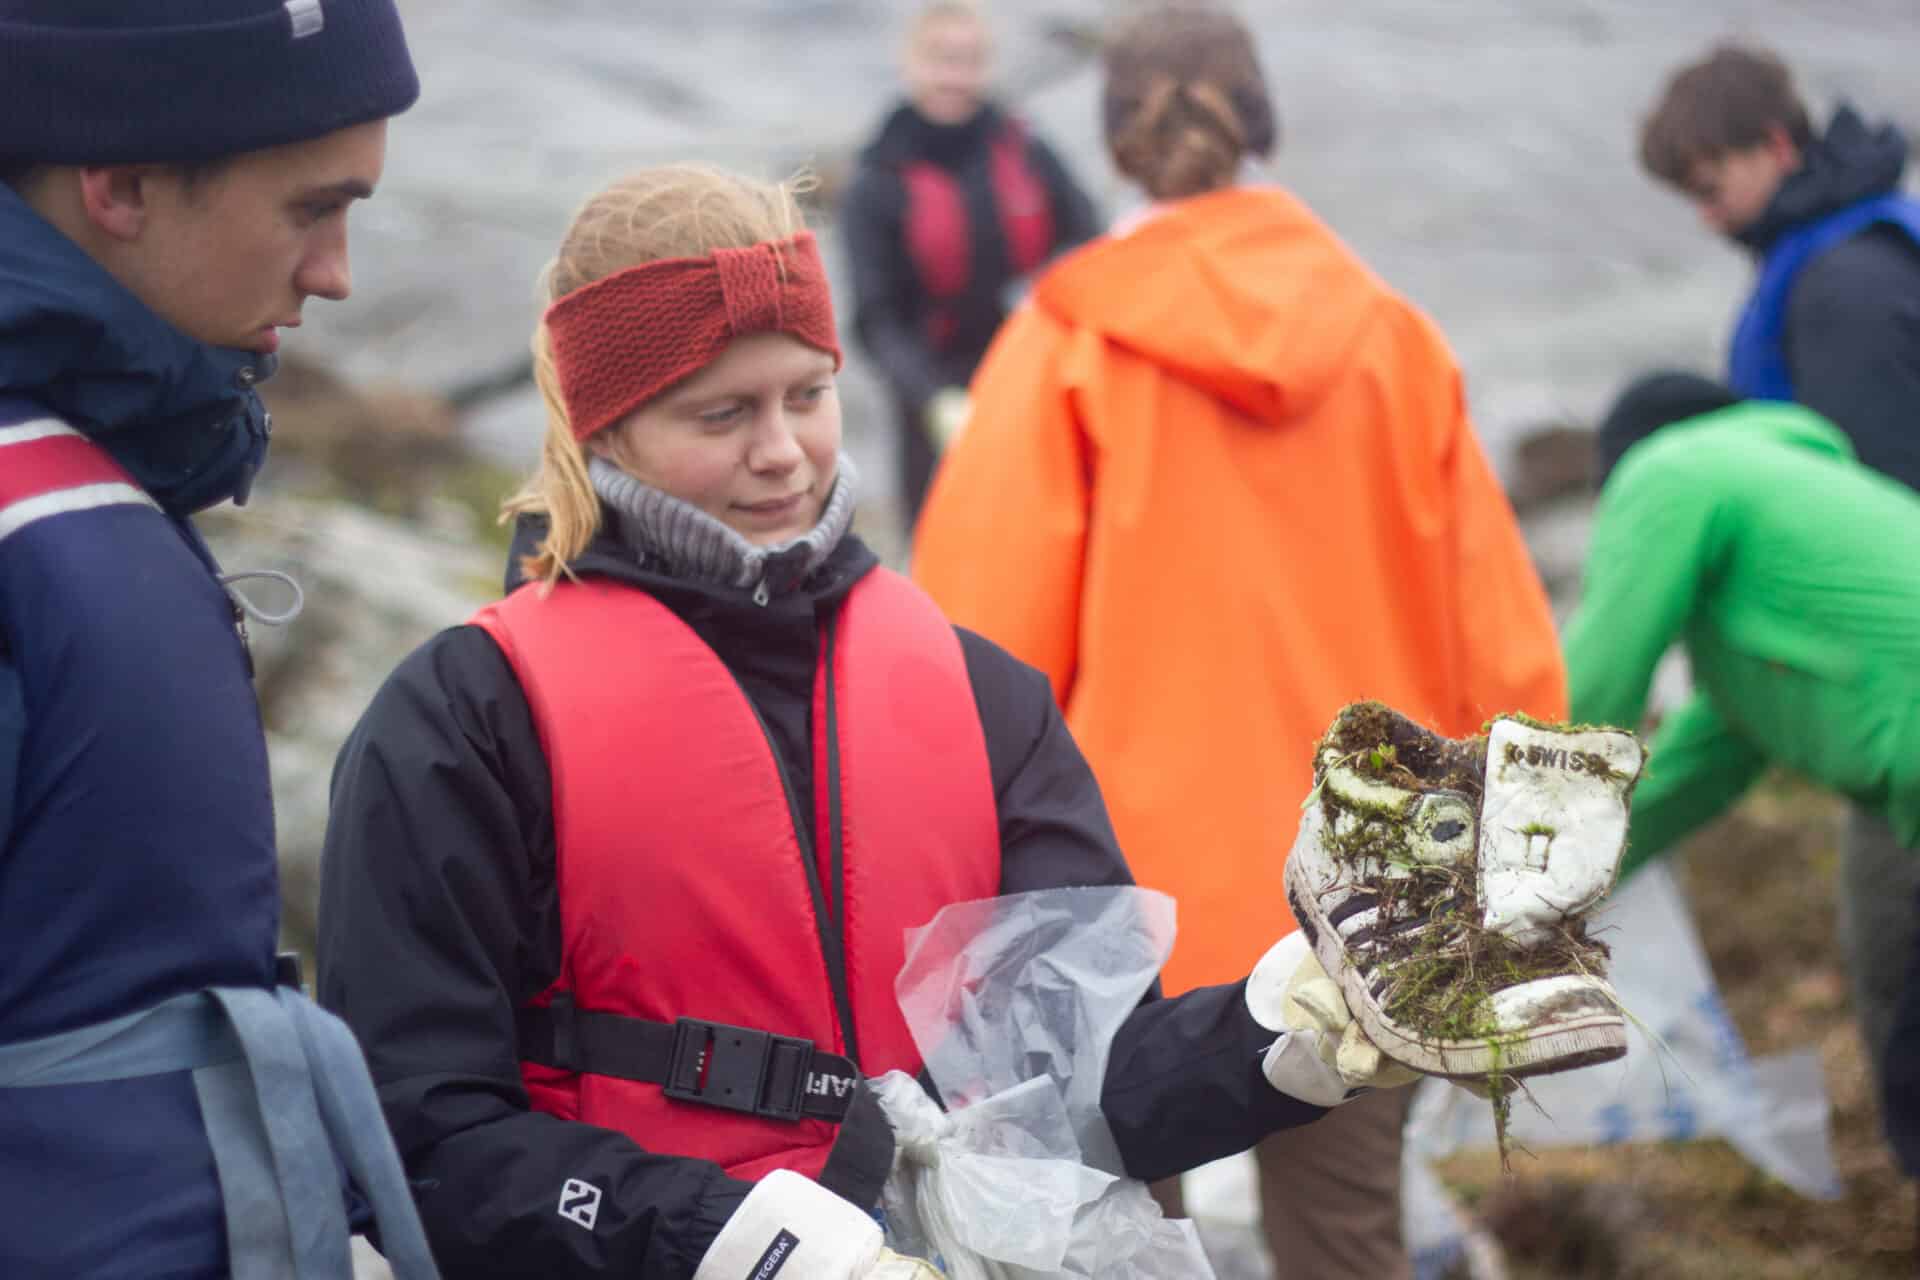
[283, 1086]
[259, 1238]
[359, 1133]
[180, 1034]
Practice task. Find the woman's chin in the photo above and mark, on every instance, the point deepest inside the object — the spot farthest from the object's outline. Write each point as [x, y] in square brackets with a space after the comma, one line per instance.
[764, 533]
[773, 527]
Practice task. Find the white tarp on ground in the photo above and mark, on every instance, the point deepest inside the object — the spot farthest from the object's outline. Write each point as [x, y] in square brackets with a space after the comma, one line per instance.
[1686, 1075]
[1701, 1084]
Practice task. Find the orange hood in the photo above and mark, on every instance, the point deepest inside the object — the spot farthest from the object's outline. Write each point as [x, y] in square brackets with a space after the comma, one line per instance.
[1198, 288]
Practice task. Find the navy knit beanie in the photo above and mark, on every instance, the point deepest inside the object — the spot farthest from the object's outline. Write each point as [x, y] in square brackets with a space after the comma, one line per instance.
[1649, 403]
[190, 81]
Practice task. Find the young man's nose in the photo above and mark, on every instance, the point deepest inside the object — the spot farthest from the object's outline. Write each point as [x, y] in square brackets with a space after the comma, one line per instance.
[326, 271]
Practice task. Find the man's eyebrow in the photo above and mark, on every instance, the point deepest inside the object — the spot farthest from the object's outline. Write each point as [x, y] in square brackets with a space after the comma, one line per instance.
[351, 189]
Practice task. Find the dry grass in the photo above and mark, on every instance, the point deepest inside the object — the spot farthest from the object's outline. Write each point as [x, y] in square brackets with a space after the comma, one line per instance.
[1762, 885]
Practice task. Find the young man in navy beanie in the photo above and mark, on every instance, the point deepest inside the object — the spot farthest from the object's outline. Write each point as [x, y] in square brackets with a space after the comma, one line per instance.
[175, 178]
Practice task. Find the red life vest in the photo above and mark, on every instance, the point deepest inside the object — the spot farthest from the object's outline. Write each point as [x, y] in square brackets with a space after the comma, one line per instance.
[939, 234]
[683, 879]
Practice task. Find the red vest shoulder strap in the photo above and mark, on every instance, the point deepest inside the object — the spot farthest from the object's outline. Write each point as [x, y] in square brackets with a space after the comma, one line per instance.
[939, 242]
[915, 784]
[939, 233]
[1026, 208]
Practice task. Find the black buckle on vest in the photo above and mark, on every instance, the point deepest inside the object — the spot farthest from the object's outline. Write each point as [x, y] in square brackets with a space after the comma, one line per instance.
[738, 1068]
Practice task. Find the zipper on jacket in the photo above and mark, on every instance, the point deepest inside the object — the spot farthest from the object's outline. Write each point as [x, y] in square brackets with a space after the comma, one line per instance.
[760, 593]
[240, 630]
[837, 857]
[832, 946]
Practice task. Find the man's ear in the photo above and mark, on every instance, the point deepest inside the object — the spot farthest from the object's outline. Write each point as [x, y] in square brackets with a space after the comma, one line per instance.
[1781, 146]
[115, 198]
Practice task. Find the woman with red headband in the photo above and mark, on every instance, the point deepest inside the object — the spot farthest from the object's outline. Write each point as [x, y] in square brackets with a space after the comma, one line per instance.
[617, 873]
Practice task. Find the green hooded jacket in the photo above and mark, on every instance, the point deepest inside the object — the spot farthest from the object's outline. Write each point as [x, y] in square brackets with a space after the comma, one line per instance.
[1791, 573]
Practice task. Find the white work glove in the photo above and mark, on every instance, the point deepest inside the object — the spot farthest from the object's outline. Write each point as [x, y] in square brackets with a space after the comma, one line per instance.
[897, 1266]
[794, 1228]
[946, 416]
[1322, 1055]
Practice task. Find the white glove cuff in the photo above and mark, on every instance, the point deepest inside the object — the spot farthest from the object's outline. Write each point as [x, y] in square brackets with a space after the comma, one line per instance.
[793, 1228]
[1294, 1064]
[1267, 985]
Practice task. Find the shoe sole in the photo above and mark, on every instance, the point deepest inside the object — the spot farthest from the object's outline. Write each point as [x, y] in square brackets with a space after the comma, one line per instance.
[1579, 1041]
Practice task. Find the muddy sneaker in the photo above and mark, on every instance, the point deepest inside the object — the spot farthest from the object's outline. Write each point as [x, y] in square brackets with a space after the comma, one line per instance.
[1443, 885]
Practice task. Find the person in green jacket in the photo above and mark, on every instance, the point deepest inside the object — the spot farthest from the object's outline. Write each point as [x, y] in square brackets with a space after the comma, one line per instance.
[1748, 532]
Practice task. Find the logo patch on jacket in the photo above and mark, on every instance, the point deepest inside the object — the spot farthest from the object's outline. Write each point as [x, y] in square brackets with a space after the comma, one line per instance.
[308, 18]
[580, 1203]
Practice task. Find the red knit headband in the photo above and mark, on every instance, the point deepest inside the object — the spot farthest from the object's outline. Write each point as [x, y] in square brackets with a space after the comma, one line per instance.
[622, 340]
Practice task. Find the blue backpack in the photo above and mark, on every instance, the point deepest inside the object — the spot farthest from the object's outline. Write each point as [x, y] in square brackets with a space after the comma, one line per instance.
[1757, 363]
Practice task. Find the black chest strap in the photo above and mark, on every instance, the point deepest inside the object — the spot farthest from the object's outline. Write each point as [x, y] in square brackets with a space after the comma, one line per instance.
[693, 1060]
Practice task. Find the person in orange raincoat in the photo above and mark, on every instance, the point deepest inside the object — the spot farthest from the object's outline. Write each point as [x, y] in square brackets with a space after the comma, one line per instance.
[1218, 480]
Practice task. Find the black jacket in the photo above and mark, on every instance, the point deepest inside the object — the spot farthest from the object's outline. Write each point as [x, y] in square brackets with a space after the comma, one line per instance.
[1853, 318]
[890, 308]
[438, 918]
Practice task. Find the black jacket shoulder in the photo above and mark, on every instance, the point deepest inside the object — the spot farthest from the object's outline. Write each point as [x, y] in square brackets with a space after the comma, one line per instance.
[1852, 344]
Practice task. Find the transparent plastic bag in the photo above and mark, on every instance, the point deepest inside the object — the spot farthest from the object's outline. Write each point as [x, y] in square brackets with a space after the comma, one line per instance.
[1013, 1003]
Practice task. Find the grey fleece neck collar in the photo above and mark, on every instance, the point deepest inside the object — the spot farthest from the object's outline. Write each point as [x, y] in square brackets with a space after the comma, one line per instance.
[689, 543]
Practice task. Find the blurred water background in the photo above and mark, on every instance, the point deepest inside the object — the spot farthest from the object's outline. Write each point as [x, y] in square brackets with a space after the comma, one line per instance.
[1479, 153]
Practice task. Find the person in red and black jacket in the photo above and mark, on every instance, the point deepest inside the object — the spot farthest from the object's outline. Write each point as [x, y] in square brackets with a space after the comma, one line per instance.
[954, 204]
[618, 875]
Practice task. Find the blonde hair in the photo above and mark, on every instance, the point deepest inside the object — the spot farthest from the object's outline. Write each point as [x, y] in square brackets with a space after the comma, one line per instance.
[943, 11]
[1185, 100]
[674, 211]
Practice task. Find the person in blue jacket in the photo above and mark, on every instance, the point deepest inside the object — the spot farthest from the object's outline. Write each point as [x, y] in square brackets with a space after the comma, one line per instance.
[175, 178]
[1833, 321]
